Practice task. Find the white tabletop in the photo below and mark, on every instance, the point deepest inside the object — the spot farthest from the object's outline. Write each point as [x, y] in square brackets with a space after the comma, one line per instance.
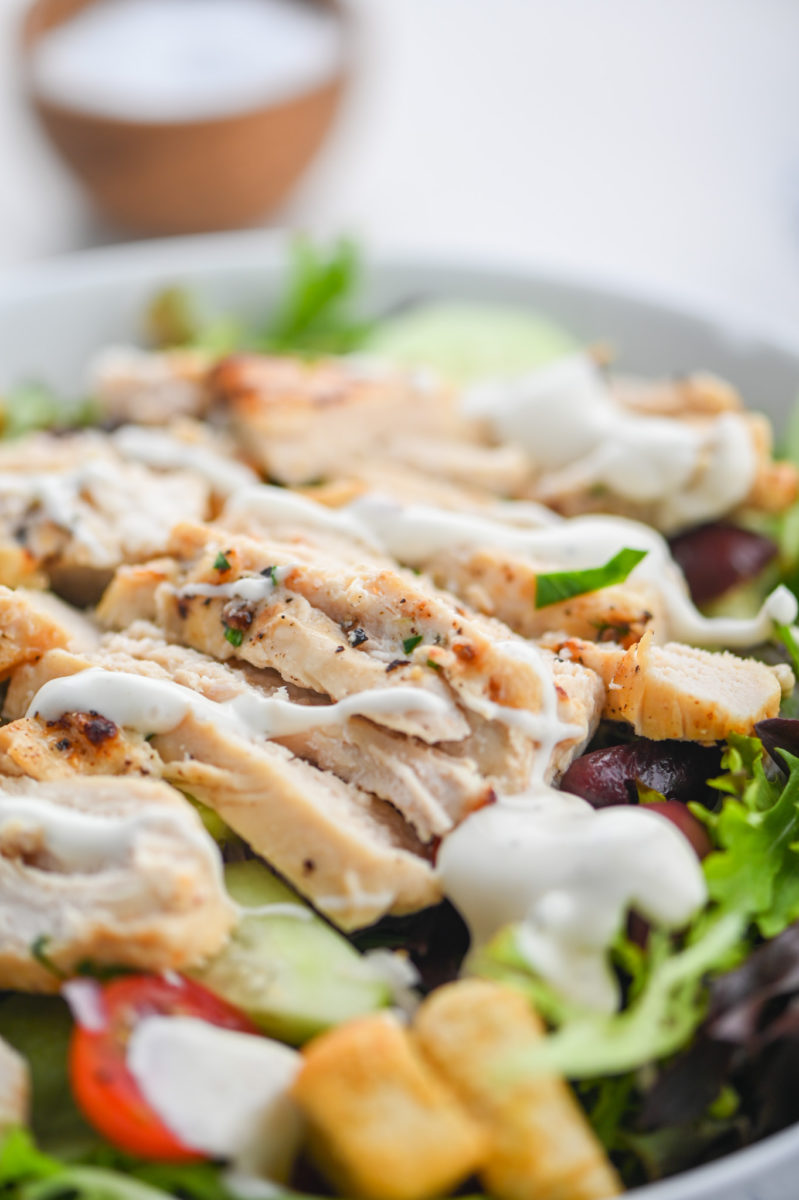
[655, 141]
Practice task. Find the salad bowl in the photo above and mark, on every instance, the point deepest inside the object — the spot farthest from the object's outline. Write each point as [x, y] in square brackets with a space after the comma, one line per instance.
[55, 316]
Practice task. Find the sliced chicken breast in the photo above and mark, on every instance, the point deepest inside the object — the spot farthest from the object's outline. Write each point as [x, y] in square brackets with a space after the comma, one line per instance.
[105, 871]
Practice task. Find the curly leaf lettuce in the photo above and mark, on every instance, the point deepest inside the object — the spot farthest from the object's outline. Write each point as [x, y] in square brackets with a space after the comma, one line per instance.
[753, 886]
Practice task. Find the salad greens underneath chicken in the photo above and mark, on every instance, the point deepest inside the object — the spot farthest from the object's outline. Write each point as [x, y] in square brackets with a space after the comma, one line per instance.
[399, 761]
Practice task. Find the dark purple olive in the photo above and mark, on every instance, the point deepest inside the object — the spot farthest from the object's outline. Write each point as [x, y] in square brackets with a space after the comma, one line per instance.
[686, 822]
[678, 770]
[779, 733]
[714, 558]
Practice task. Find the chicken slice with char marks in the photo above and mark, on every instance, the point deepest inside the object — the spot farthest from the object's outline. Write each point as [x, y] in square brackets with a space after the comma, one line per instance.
[302, 421]
[115, 872]
[366, 859]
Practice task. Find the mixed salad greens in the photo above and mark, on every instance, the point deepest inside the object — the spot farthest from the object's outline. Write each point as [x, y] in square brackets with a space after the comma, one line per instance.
[702, 1058]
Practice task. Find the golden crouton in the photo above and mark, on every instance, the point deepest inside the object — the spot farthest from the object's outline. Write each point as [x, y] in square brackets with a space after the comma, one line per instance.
[541, 1145]
[382, 1125]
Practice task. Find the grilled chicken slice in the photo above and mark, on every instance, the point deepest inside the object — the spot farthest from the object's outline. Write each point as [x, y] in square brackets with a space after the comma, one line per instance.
[33, 622]
[151, 388]
[677, 691]
[365, 860]
[76, 744]
[338, 629]
[72, 509]
[109, 871]
[304, 421]
[350, 854]
[503, 585]
[432, 790]
[15, 1086]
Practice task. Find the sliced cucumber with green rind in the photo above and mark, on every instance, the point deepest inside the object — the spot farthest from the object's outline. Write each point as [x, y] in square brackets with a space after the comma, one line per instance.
[287, 968]
[468, 342]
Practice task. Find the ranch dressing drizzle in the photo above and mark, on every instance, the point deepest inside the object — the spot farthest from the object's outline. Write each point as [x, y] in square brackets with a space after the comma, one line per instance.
[159, 705]
[155, 448]
[544, 727]
[567, 875]
[58, 496]
[578, 436]
[85, 842]
[222, 1092]
[280, 507]
[417, 533]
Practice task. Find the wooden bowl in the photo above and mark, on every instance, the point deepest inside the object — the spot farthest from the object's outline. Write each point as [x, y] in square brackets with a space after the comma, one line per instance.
[185, 176]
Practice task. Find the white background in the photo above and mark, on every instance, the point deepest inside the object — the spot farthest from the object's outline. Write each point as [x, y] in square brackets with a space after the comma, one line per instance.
[648, 140]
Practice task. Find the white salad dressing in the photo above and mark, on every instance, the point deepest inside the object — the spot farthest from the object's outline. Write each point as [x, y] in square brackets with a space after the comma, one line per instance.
[222, 1092]
[417, 533]
[278, 506]
[545, 726]
[578, 435]
[185, 60]
[159, 705]
[568, 874]
[57, 496]
[84, 842]
[155, 448]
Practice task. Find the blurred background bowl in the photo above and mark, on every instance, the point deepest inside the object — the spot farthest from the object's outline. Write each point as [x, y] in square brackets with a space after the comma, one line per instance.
[193, 175]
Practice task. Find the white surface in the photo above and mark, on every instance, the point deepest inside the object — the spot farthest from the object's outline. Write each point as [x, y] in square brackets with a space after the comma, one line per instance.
[655, 141]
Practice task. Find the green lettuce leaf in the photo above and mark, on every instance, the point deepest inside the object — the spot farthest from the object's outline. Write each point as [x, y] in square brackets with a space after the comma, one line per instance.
[755, 869]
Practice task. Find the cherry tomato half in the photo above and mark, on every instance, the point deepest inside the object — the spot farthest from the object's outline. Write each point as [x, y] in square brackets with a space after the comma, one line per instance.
[103, 1086]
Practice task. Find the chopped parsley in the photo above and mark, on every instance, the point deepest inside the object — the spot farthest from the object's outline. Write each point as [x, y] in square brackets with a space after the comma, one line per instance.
[234, 636]
[271, 573]
[564, 585]
[221, 563]
[410, 643]
[38, 950]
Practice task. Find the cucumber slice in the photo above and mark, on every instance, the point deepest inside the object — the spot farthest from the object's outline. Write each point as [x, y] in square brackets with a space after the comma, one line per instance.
[467, 342]
[289, 970]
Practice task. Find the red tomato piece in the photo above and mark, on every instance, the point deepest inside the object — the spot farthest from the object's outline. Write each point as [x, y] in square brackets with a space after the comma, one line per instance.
[103, 1086]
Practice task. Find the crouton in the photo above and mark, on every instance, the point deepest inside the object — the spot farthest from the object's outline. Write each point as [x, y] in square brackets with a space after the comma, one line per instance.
[541, 1144]
[382, 1125]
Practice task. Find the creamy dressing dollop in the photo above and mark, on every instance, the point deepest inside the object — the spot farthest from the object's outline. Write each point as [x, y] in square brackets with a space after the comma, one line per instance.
[577, 435]
[222, 1092]
[567, 875]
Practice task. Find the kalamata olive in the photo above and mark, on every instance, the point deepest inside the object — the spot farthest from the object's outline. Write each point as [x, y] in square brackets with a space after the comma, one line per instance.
[678, 770]
[716, 557]
[687, 824]
[779, 733]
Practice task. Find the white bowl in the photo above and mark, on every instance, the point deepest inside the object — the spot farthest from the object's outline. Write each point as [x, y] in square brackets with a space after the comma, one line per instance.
[54, 315]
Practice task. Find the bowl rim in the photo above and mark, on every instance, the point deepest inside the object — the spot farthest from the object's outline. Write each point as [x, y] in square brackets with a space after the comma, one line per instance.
[201, 255]
[198, 254]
